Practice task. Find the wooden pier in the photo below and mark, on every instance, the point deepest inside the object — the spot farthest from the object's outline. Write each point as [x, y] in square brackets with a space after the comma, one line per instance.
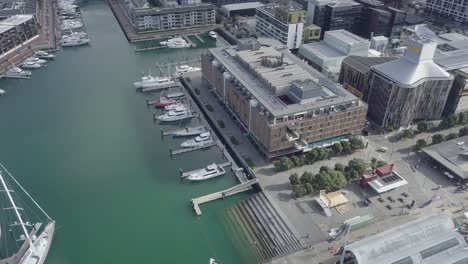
[186, 174]
[149, 48]
[185, 150]
[196, 202]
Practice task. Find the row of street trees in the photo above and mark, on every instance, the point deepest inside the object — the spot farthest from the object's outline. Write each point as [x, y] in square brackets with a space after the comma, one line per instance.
[438, 138]
[328, 179]
[318, 154]
[428, 126]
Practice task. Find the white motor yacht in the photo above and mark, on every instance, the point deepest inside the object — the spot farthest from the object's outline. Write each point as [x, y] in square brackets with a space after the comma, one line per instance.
[43, 55]
[189, 131]
[73, 41]
[180, 113]
[175, 43]
[149, 81]
[201, 140]
[173, 106]
[36, 60]
[213, 34]
[18, 73]
[186, 68]
[30, 65]
[2, 92]
[175, 95]
[210, 171]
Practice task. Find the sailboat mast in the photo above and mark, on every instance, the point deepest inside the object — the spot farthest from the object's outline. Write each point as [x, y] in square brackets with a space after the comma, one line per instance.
[24, 190]
[17, 212]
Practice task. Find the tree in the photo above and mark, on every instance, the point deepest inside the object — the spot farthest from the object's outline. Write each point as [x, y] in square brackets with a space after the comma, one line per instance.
[339, 167]
[324, 169]
[299, 191]
[337, 179]
[451, 136]
[448, 122]
[323, 181]
[406, 133]
[351, 174]
[462, 118]
[307, 177]
[358, 165]
[298, 161]
[337, 149]
[356, 143]
[346, 147]
[308, 187]
[311, 157]
[421, 143]
[463, 131]
[294, 179]
[380, 163]
[323, 154]
[283, 165]
[437, 138]
[373, 163]
[423, 126]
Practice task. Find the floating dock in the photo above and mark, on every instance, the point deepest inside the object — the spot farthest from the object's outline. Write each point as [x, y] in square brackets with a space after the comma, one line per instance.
[186, 174]
[196, 202]
[185, 150]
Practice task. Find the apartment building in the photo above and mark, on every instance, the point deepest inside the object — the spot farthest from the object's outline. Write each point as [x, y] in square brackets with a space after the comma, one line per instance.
[169, 14]
[283, 22]
[286, 106]
[16, 30]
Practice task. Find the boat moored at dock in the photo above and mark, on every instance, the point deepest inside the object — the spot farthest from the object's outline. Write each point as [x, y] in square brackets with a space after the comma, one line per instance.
[43, 55]
[17, 73]
[149, 81]
[210, 171]
[180, 113]
[189, 131]
[201, 140]
[175, 43]
[186, 68]
[213, 34]
[31, 65]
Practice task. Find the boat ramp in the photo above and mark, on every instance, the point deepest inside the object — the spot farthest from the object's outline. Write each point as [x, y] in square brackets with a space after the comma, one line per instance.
[245, 186]
[186, 174]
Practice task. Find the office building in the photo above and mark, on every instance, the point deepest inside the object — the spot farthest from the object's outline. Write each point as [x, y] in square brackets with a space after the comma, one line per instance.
[327, 55]
[432, 239]
[345, 14]
[316, 13]
[452, 56]
[284, 104]
[169, 15]
[243, 9]
[380, 20]
[355, 74]
[454, 9]
[283, 22]
[16, 30]
[409, 88]
[311, 33]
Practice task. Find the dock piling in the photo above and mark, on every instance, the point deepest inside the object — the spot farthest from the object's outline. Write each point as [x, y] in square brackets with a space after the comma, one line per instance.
[147, 103]
[154, 117]
[162, 134]
[170, 152]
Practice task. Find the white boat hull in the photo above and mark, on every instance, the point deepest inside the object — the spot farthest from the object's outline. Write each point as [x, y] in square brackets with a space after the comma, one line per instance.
[190, 132]
[152, 85]
[41, 245]
[166, 118]
[71, 44]
[193, 144]
[199, 175]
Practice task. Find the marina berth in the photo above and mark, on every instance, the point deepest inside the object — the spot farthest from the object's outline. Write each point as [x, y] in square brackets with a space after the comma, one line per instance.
[17, 73]
[175, 43]
[149, 81]
[179, 113]
[209, 172]
[186, 68]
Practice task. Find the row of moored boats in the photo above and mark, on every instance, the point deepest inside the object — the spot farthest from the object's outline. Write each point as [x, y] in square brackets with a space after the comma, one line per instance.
[71, 24]
[38, 60]
[179, 42]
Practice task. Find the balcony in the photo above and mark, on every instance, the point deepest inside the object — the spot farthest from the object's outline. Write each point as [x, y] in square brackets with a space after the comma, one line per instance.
[291, 136]
[301, 145]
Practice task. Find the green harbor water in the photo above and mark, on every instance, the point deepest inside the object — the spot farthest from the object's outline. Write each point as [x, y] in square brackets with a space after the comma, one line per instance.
[82, 141]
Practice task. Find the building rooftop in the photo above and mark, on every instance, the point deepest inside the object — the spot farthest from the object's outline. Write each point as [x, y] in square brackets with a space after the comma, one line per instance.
[429, 240]
[322, 50]
[279, 68]
[343, 3]
[371, 3]
[346, 36]
[291, 6]
[242, 6]
[13, 21]
[453, 154]
[363, 64]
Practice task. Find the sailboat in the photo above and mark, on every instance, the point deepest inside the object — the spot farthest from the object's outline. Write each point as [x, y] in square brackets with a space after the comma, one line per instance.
[23, 241]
